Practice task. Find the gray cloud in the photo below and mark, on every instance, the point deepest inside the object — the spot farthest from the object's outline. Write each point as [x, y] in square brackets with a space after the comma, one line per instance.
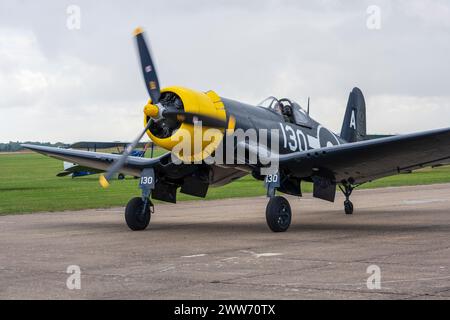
[57, 84]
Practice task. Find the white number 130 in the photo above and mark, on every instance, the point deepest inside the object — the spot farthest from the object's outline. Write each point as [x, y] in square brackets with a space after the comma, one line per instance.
[146, 180]
[272, 178]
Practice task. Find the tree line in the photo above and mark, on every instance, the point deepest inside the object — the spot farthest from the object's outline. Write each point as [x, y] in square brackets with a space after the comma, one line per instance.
[16, 146]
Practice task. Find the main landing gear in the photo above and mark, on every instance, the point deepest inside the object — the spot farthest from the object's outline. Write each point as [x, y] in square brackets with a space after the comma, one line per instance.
[278, 210]
[138, 211]
[347, 191]
[278, 214]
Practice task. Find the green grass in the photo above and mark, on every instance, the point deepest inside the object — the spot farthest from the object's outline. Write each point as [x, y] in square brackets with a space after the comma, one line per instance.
[28, 183]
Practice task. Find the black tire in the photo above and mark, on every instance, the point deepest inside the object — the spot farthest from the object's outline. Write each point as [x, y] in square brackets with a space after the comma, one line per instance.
[348, 207]
[278, 214]
[121, 176]
[135, 218]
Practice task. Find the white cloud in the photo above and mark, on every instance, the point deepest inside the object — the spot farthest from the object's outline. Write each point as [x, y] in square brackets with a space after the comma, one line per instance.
[54, 100]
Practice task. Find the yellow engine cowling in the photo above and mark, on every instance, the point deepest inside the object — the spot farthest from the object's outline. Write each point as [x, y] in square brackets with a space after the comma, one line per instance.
[201, 142]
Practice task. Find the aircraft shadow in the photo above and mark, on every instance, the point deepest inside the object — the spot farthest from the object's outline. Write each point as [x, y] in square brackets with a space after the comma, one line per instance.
[394, 225]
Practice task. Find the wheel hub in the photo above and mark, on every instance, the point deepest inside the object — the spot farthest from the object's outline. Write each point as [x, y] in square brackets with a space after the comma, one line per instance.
[283, 218]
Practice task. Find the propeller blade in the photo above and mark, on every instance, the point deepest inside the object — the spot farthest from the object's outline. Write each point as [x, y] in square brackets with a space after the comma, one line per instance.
[119, 163]
[148, 68]
[191, 118]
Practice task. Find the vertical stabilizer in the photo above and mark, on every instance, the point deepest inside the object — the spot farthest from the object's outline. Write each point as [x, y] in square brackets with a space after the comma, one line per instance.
[354, 125]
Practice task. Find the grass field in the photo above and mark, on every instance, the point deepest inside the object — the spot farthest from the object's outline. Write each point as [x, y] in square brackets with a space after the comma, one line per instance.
[28, 183]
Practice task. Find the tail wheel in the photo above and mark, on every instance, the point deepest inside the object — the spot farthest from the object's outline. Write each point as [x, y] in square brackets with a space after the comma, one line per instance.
[136, 215]
[278, 214]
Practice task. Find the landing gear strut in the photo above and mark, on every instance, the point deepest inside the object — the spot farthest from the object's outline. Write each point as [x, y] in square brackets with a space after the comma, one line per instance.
[347, 191]
[138, 211]
[278, 210]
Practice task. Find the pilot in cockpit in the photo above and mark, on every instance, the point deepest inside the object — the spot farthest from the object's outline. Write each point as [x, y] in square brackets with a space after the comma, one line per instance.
[286, 110]
[290, 111]
[287, 113]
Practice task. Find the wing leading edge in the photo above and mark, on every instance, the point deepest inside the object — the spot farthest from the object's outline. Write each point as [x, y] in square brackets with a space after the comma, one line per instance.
[98, 160]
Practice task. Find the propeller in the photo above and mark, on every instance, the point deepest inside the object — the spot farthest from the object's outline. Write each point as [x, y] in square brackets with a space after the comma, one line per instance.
[118, 164]
[153, 111]
[148, 68]
[152, 85]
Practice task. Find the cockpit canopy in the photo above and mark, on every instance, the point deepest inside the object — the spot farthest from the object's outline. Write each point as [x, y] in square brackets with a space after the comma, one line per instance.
[290, 110]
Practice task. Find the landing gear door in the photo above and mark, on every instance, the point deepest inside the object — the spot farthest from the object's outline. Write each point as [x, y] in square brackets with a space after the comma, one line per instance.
[147, 181]
[272, 182]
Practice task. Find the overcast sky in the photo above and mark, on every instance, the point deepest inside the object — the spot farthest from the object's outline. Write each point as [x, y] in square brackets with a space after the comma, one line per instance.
[58, 84]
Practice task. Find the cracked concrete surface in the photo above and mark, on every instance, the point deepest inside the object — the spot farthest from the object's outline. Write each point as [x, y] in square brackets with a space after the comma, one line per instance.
[223, 250]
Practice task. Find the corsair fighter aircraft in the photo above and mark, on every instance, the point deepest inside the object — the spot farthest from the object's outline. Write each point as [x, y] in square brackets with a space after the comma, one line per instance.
[305, 150]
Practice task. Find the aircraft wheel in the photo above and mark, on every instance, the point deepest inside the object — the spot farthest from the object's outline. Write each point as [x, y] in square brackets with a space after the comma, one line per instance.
[348, 206]
[121, 176]
[278, 214]
[136, 218]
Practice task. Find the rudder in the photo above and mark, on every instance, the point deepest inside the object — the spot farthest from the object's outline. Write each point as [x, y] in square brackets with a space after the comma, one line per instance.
[354, 125]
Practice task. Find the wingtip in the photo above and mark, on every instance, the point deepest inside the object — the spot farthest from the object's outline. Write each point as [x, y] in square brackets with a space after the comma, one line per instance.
[138, 31]
[103, 182]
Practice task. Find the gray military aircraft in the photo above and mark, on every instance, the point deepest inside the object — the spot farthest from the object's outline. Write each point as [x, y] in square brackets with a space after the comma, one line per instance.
[305, 150]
